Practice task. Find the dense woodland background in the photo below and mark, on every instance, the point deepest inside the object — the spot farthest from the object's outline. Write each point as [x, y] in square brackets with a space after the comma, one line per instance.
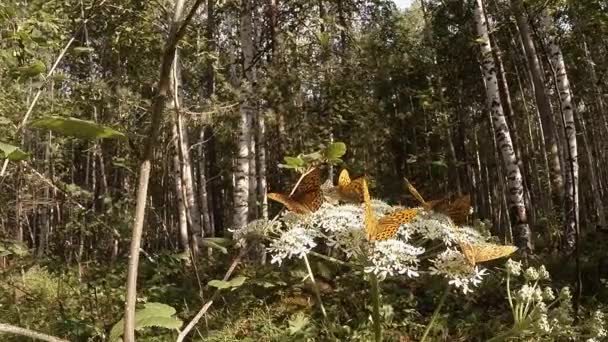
[501, 99]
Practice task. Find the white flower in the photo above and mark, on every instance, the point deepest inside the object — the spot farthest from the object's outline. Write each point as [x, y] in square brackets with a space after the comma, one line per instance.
[531, 274]
[543, 273]
[297, 241]
[343, 226]
[452, 265]
[525, 293]
[256, 228]
[548, 294]
[513, 267]
[543, 324]
[433, 227]
[393, 257]
[565, 295]
[596, 324]
[537, 296]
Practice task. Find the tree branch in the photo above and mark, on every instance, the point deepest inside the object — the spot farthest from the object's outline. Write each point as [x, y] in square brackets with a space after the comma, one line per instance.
[11, 329]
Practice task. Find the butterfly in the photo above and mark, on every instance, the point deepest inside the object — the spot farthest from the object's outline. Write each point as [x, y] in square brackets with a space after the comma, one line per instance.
[484, 251]
[351, 191]
[458, 210]
[306, 197]
[387, 226]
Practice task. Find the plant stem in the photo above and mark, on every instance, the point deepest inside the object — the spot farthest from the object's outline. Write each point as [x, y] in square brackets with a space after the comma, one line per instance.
[435, 315]
[315, 287]
[373, 280]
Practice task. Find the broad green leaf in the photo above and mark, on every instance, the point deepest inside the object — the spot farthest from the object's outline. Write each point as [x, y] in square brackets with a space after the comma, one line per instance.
[439, 163]
[81, 50]
[298, 323]
[34, 69]
[233, 283]
[335, 151]
[211, 244]
[12, 152]
[152, 315]
[220, 241]
[78, 128]
[293, 161]
[4, 121]
[220, 284]
[307, 158]
[237, 281]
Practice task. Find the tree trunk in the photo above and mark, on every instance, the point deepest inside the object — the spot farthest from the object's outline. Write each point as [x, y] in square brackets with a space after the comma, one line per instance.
[247, 110]
[517, 208]
[192, 208]
[542, 100]
[179, 192]
[177, 30]
[564, 91]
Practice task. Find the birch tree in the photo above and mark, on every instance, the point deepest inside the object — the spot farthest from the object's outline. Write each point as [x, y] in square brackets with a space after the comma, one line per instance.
[246, 110]
[517, 209]
[542, 100]
[562, 83]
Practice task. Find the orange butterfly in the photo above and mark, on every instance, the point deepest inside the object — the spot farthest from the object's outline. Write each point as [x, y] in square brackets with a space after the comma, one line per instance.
[351, 191]
[306, 197]
[484, 251]
[387, 226]
[458, 210]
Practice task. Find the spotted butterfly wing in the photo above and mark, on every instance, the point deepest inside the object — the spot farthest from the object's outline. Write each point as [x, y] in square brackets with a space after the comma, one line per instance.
[387, 227]
[306, 197]
[350, 190]
[389, 224]
[480, 252]
[458, 210]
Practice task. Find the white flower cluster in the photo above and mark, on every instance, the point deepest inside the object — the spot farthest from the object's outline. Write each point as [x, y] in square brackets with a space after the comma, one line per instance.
[297, 241]
[253, 230]
[394, 257]
[433, 227]
[343, 226]
[451, 264]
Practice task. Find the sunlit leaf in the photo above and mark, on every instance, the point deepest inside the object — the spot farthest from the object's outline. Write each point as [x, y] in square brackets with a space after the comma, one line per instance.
[12, 152]
[298, 323]
[335, 150]
[78, 128]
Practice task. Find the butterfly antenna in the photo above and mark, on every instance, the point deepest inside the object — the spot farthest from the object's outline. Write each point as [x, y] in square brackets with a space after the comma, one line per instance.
[414, 192]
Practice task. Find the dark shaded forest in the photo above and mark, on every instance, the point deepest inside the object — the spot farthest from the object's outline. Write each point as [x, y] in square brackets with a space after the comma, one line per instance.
[303, 170]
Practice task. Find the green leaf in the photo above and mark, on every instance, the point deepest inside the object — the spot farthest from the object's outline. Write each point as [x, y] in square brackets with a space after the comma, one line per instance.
[439, 163]
[78, 128]
[211, 244]
[238, 281]
[12, 152]
[307, 158]
[298, 323]
[4, 121]
[293, 161]
[220, 284]
[233, 283]
[335, 151]
[152, 315]
[34, 69]
[81, 50]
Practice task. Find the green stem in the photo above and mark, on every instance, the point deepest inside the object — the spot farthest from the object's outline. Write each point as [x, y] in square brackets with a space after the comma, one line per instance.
[315, 287]
[373, 279]
[435, 315]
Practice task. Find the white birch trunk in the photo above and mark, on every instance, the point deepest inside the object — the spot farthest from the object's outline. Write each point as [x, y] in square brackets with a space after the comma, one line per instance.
[247, 109]
[565, 96]
[515, 191]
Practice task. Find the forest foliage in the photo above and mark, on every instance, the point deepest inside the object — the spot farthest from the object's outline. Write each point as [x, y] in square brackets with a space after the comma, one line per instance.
[318, 170]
